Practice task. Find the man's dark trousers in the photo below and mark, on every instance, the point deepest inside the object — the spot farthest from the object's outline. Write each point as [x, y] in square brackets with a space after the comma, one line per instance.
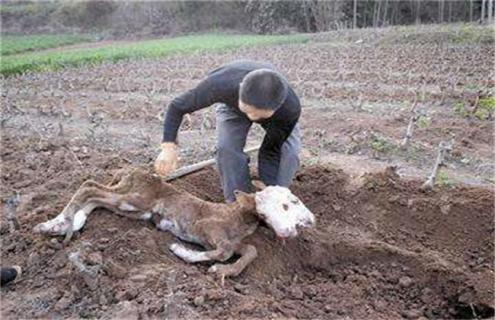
[232, 162]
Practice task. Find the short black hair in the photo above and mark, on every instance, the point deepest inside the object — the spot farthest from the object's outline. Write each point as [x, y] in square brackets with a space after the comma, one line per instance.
[263, 89]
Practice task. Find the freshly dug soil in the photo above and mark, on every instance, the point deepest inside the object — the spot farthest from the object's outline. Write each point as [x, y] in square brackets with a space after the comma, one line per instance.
[384, 249]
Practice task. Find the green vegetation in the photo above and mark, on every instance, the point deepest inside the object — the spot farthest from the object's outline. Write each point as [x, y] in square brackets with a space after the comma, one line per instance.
[381, 144]
[44, 61]
[443, 180]
[470, 33]
[484, 111]
[486, 108]
[461, 110]
[17, 44]
[424, 122]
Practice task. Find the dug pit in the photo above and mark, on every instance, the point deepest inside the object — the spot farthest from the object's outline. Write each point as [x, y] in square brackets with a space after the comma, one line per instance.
[383, 249]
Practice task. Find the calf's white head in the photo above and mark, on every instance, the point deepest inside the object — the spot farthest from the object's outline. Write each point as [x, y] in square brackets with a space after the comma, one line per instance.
[282, 210]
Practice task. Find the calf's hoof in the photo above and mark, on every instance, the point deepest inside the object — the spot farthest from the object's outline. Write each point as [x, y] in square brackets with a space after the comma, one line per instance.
[223, 270]
[51, 228]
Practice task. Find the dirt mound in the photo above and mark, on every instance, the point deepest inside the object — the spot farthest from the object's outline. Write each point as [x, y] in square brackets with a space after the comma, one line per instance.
[384, 249]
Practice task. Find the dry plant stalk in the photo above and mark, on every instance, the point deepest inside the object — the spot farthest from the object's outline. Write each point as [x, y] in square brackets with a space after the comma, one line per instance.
[11, 205]
[476, 105]
[443, 148]
[412, 121]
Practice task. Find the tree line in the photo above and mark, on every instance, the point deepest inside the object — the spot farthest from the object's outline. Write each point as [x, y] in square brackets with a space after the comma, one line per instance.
[124, 18]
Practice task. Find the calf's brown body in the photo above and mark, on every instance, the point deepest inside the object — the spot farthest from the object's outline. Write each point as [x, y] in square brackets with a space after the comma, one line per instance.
[220, 228]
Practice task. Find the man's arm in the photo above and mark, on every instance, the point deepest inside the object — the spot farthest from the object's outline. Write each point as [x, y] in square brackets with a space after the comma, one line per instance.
[270, 150]
[204, 95]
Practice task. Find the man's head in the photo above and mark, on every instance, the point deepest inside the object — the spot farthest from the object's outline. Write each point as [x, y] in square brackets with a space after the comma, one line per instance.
[261, 93]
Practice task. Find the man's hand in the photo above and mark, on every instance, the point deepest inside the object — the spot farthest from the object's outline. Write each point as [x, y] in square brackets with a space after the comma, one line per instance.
[167, 160]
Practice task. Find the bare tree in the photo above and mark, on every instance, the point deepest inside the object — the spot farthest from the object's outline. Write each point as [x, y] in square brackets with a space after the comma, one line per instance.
[354, 15]
[385, 11]
[375, 12]
[441, 6]
[325, 13]
[490, 11]
[483, 5]
[307, 18]
[471, 10]
[418, 11]
[450, 11]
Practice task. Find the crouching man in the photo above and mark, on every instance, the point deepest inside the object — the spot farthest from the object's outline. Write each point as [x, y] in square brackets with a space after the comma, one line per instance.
[247, 92]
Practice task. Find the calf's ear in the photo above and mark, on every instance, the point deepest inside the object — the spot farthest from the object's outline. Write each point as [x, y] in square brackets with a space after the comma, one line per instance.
[259, 185]
[246, 200]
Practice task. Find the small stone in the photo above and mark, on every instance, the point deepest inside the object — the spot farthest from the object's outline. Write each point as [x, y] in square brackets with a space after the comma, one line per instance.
[55, 244]
[94, 258]
[199, 300]
[297, 293]
[336, 207]
[215, 295]
[411, 314]
[103, 300]
[150, 243]
[410, 203]
[445, 209]
[405, 282]
[426, 295]
[114, 269]
[393, 199]
[63, 303]
[466, 297]
[124, 310]
[138, 277]
[327, 308]
[376, 274]
[91, 281]
[379, 305]
[127, 294]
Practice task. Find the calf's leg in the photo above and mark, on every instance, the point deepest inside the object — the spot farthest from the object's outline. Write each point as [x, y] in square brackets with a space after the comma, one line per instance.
[247, 252]
[221, 253]
[74, 215]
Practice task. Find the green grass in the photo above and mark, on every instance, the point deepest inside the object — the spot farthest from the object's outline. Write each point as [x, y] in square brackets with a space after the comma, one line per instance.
[485, 110]
[45, 61]
[444, 180]
[17, 44]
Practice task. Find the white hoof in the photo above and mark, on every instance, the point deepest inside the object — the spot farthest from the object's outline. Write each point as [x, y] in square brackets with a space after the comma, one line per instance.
[59, 225]
[174, 247]
[55, 226]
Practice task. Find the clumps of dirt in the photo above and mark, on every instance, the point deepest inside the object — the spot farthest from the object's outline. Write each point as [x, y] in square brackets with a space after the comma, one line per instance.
[384, 249]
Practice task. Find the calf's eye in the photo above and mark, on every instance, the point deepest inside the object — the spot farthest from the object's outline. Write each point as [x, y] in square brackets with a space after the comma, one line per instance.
[285, 206]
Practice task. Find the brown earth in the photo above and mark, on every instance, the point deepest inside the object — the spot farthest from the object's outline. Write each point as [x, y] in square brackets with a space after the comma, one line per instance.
[384, 249]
